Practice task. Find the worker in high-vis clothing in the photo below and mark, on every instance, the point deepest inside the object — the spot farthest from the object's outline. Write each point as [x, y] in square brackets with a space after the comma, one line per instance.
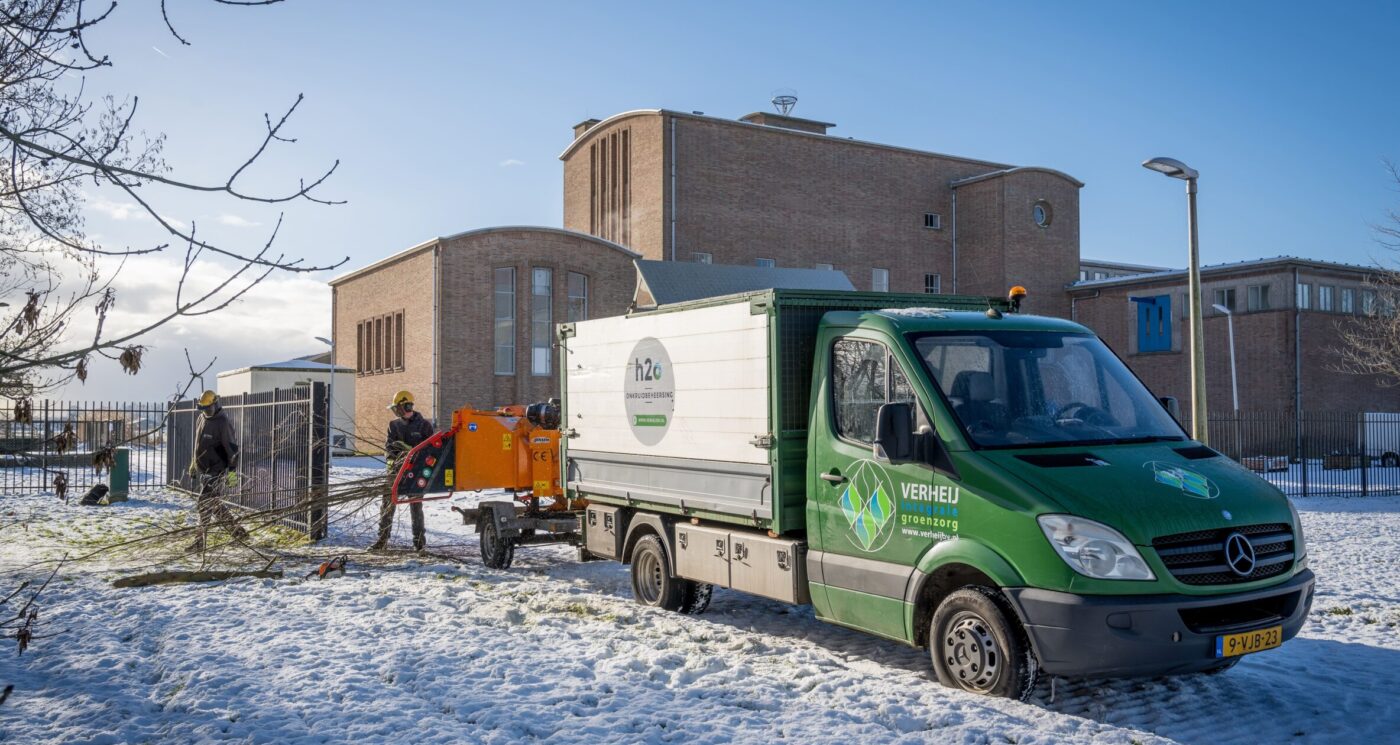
[213, 466]
[407, 429]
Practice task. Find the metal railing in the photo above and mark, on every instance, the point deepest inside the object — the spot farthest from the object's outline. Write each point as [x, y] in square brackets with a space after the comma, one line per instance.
[74, 439]
[283, 459]
[1315, 453]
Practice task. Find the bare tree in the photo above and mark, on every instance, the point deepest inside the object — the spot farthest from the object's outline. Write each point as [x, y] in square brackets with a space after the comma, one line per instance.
[1371, 345]
[55, 145]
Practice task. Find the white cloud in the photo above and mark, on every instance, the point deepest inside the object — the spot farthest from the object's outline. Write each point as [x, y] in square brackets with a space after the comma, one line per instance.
[124, 211]
[163, 54]
[119, 210]
[276, 320]
[235, 221]
[511, 162]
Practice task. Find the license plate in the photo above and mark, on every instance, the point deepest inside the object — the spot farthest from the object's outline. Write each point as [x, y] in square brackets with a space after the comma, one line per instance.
[1234, 645]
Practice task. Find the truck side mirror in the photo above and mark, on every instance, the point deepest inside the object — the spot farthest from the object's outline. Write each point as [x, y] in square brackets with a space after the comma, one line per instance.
[1172, 406]
[894, 433]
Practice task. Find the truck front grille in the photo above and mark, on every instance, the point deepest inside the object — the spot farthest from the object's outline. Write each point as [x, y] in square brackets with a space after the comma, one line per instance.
[1198, 558]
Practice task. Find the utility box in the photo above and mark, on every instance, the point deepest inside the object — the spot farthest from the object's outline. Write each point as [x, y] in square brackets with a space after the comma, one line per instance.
[702, 554]
[121, 476]
[603, 531]
[772, 567]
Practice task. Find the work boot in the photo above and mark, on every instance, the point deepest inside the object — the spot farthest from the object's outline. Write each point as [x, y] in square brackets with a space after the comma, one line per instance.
[378, 545]
[420, 543]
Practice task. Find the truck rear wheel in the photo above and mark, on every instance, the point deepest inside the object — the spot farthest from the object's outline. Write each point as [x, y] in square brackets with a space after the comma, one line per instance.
[697, 597]
[497, 551]
[652, 582]
[977, 644]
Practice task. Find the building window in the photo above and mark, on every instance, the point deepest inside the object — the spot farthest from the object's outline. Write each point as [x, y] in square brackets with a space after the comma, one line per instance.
[825, 267]
[1324, 298]
[933, 283]
[1304, 296]
[610, 187]
[933, 221]
[398, 341]
[1368, 302]
[1042, 214]
[578, 297]
[505, 320]
[764, 262]
[1258, 297]
[700, 257]
[1226, 299]
[1083, 275]
[1100, 275]
[1154, 323]
[541, 319]
[1348, 300]
[880, 280]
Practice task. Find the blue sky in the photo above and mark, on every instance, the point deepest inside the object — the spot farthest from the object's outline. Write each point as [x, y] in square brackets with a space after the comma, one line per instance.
[450, 115]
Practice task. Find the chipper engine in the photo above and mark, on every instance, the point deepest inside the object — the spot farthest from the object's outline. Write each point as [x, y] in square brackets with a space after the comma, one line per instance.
[514, 448]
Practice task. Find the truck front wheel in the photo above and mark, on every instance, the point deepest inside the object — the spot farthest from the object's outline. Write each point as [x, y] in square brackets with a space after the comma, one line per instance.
[652, 582]
[978, 645]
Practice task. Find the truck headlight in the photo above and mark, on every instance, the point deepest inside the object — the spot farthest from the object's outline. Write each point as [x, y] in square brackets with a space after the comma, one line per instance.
[1094, 549]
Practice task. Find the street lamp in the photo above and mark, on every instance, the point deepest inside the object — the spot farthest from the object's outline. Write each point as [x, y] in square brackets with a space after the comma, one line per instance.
[1234, 381]
[1177, 169]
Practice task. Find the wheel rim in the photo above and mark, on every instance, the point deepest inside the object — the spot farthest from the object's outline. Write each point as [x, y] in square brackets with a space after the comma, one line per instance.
[971, 653]
[649, 577]
[488, 540]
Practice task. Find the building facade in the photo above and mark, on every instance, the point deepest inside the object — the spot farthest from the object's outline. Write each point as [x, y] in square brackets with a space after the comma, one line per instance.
[780, 191]
[1287, 315]
[468, 319]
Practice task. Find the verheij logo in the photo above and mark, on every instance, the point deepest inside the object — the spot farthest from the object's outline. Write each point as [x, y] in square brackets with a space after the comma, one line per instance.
[649, 391]
[1191, 483]
[868, 503]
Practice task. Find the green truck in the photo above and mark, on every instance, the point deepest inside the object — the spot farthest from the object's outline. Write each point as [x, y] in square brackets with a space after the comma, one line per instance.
[940, 471]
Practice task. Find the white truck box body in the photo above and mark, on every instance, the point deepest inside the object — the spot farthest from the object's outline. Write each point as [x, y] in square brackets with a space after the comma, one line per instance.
[682, 434]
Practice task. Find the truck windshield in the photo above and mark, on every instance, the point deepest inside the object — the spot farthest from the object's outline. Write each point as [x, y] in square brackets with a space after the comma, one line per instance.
[1029, 388]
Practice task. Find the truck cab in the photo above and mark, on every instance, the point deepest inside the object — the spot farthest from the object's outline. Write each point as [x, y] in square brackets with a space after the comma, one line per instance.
[1004, 490]
[936, 470]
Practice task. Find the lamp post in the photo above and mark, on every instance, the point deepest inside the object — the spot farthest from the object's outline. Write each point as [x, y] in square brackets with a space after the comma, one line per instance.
[1234, 381]
[330, 396]
[1177, 169]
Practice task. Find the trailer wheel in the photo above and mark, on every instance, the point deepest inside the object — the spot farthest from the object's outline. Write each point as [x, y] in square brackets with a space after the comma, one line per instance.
[497, 552]
[697, 597]
[652, 582]
[1390, 460]
[977, 644]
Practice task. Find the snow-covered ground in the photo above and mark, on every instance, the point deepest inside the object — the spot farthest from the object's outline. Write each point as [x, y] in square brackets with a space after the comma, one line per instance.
[431, 650]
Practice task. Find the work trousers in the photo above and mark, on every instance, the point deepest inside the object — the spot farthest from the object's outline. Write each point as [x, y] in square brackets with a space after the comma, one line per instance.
[210, 504]
[386, 521]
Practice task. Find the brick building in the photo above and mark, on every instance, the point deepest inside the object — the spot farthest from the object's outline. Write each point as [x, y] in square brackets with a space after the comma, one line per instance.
[469, 318]
[466, 319]
[780, 190]
[1287, 313]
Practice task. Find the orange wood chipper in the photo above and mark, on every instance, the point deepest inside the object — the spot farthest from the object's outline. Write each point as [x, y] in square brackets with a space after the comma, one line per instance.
[513, 448]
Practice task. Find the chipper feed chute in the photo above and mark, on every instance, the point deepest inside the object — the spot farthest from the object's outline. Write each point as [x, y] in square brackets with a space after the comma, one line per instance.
[513, 448]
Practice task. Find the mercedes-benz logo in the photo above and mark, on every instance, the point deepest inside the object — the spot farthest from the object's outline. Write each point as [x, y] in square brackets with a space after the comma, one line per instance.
[1239, 554]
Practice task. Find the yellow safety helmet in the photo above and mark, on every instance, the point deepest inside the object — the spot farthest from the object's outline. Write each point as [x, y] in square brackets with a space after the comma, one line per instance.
[401, 398]
[208, 398]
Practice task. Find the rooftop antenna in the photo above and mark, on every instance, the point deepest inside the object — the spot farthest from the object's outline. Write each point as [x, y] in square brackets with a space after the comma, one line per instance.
[784, 99]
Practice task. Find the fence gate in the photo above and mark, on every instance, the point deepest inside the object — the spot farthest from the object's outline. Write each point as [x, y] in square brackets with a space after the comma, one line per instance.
[66, 437]
[283, 459]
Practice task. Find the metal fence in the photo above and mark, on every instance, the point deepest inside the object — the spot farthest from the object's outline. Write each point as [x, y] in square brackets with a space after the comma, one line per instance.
[69, 438]
[1316, 453]
[283, 460]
